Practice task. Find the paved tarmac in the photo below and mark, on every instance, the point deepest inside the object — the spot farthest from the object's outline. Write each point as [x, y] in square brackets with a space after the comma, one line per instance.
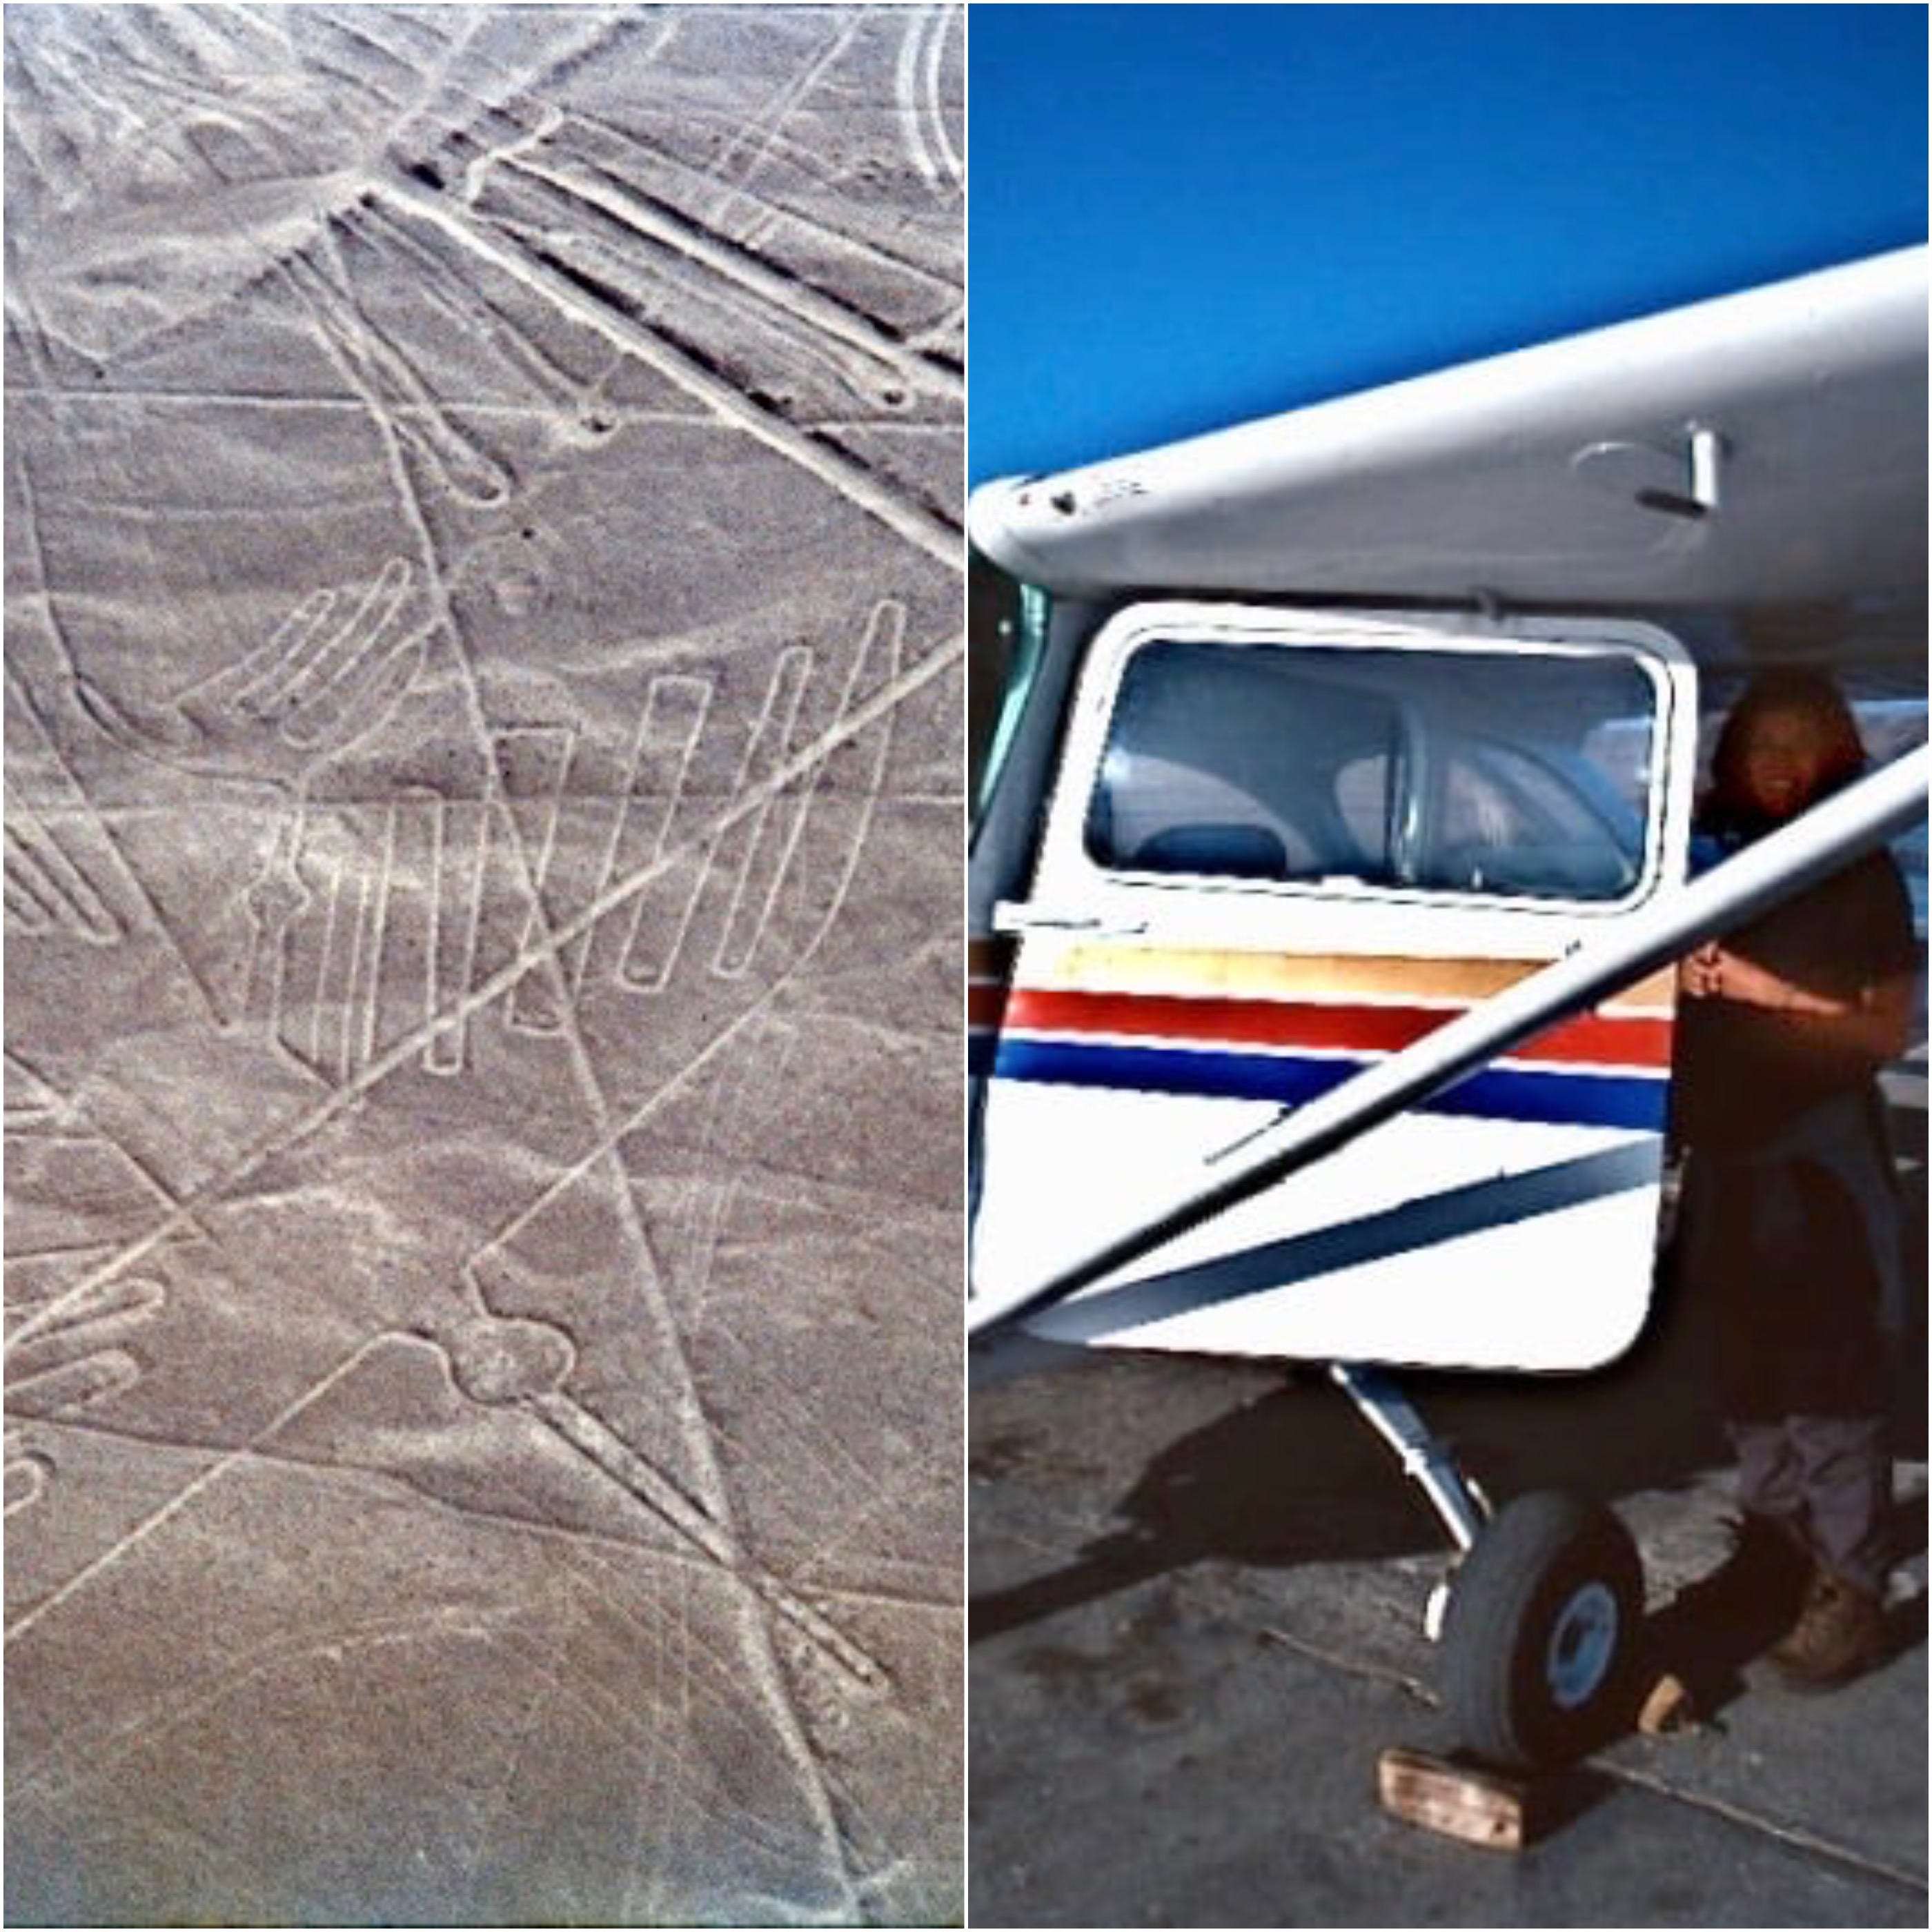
[1196, 1603]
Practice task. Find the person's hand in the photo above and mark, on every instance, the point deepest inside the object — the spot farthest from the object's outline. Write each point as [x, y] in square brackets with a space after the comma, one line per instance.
[1697, 973]
[1713, 972]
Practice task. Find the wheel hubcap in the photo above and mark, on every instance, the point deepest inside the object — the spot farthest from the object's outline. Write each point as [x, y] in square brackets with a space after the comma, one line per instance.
[1583, 1641]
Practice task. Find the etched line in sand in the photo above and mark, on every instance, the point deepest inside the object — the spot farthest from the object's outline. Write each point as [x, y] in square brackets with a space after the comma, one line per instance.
[598, 1444]
[31, 1619]
[552, 948]
[518, 89]
[790, 300]
[306, 692]
[472, 309]
[321, 912]
[770, 739]
[718, 1179]
[477, 172]
[83, 1363]
[109, 1310]
[316, 1019]
[745, 156]
[303, 660]
[130, 397]
[927, 533]
[28, 1472]
[676, 709]
[386, 378]
[952, 162]
[81, 1758]
[459, 862]
[643, 155]
[31, 1102]
[273, 900]
[533, 766]
[922, 117]
[46, 1116]
[66, 1388]
[302, 1127]
[880, 652]
[944, 334]
[47, 890]
[27, 707]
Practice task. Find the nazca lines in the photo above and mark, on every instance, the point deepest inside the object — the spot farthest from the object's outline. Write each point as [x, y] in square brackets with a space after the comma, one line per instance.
[64, 877]
[921, 105]
[48, 889]
[370, 922]
[66, 1179]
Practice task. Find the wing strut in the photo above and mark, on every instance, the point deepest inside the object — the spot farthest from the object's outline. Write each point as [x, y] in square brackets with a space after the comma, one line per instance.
[1812, 846]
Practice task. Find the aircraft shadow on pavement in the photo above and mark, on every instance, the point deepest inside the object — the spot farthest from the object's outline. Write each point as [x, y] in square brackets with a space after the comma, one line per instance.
[1293, 1477]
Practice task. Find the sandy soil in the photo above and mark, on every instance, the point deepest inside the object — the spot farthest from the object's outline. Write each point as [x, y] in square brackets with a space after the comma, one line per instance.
[482, 709]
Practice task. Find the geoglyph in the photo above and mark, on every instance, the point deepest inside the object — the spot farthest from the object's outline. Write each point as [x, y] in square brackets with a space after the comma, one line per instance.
[483, 550]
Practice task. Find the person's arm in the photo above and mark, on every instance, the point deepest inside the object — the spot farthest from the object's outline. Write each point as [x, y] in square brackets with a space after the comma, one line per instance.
[1875, 1026]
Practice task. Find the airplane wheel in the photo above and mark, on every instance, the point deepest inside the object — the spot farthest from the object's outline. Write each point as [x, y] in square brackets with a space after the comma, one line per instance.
[1540, 1632]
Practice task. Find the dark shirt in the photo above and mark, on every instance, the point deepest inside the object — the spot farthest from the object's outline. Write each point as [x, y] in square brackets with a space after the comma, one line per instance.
[1744, 1074]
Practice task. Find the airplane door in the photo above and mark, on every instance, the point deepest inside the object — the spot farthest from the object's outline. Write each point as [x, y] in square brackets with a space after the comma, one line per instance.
[1279, 846]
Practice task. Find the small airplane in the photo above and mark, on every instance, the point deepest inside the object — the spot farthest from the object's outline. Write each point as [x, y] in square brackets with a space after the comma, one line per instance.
[1332, 849]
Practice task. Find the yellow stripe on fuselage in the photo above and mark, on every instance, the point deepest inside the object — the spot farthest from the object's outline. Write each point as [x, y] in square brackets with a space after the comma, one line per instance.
[1399, 979]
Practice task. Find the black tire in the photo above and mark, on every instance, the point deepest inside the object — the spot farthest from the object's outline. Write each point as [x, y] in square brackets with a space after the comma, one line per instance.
[1541, 1632]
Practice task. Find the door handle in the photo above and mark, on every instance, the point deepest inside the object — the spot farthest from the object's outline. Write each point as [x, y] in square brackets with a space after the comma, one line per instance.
[1009, 917]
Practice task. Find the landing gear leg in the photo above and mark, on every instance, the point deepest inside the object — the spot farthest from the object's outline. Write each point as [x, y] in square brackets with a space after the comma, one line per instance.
[1538, 1625]
[1425, 1459]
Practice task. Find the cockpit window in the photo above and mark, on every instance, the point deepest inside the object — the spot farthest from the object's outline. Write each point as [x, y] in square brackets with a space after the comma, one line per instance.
[1517, 776]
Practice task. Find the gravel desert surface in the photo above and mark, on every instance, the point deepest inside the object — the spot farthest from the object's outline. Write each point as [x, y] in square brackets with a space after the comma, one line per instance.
[482, 872]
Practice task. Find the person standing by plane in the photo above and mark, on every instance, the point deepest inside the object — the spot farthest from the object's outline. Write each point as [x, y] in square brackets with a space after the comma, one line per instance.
[1790, 1211]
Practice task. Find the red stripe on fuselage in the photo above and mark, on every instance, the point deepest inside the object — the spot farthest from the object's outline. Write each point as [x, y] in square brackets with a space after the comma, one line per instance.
[1591, 1039]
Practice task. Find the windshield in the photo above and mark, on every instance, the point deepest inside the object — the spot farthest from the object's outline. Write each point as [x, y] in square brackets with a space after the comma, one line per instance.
[1006, 629]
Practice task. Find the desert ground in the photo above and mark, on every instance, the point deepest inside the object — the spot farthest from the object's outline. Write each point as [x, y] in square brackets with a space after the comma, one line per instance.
[482, 711]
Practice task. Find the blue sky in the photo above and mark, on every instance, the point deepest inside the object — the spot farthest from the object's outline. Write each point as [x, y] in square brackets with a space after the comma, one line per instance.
[1183, 217]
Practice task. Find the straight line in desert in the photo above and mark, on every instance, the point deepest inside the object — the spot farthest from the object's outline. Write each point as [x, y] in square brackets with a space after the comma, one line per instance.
[714, 1528]
[928, 534]
[213, 1473]
[56, 630]
[764, 128]
[795, 299]
[399, 1052]
[771, 211]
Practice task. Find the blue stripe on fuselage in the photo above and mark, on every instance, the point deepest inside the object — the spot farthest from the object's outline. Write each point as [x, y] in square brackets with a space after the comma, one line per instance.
[1546, 1097]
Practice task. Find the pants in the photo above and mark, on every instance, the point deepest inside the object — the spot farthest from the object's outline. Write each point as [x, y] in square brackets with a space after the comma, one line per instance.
[1795, 1261]
[1828, 1479]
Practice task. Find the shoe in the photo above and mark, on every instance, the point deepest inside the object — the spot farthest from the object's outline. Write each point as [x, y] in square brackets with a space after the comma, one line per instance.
[1840, 1635]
